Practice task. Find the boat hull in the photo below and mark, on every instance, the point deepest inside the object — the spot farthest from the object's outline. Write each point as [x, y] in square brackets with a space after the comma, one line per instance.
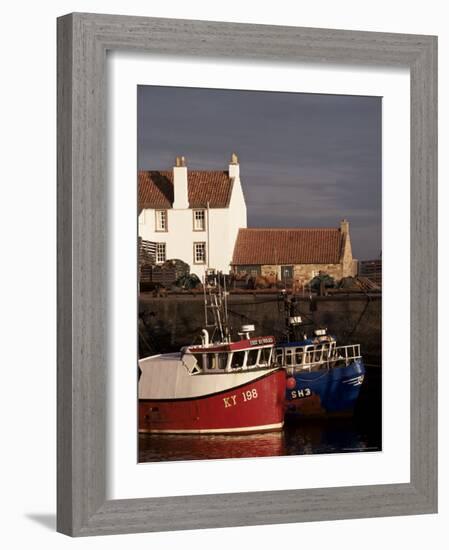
[255, 406]
[318, 393]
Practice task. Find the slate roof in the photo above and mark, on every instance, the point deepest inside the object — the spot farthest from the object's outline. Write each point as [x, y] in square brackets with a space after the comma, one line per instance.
[156, 189]
[288, 246]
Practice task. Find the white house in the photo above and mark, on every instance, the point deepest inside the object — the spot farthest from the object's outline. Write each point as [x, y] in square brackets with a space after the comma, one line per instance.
[192, 215]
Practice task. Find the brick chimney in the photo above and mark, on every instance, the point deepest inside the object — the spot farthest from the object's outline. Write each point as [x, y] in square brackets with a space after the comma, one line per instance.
[234, 167]
[180, 185]
[344, 227]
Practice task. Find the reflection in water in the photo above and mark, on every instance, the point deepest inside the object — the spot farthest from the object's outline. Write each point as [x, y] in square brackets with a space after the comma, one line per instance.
[307, 437]
[199, 447]
[330, 436]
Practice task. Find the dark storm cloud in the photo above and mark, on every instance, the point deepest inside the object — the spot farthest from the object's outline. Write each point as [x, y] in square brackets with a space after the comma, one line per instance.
[305, 159]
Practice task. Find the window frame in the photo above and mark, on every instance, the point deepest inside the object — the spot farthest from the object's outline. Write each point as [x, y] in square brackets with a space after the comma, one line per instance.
[279, 354]
[194, 211]
[299, 353]
[256, 362]
[156, 225]
[262, 352]
[157, 261]
[194, 253]
[237, 354]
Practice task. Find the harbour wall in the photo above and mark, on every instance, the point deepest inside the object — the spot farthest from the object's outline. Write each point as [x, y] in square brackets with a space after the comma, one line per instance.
[169, 322]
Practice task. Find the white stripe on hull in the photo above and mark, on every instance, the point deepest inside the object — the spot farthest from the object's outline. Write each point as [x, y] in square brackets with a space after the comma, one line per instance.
[354, 381]
[266, 427]
[167, 377]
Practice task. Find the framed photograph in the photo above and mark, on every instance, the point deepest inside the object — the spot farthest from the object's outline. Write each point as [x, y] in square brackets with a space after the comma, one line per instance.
[247, 280]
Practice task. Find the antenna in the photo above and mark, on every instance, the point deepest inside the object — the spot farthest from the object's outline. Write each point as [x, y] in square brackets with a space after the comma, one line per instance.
[225, 294]
[205, 301]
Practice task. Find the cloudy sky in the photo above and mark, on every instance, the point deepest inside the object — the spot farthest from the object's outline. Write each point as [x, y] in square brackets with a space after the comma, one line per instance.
[306, 160]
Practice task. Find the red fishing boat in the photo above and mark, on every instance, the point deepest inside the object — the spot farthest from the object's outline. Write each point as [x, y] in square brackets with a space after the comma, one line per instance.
[219, 386]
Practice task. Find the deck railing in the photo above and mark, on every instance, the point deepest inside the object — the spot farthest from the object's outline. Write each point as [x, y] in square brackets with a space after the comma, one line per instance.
[340, 354]
[348, 353]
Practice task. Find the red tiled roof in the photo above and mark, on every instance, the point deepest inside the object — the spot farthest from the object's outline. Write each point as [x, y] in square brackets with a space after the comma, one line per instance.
[156, 189]
[288, 246]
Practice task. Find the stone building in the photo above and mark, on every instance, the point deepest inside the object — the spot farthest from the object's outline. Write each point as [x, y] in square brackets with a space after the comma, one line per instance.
[192, 215]
[295, 255]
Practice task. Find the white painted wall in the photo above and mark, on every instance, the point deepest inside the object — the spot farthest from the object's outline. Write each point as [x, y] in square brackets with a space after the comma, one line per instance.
[237, 206]
[180, 236]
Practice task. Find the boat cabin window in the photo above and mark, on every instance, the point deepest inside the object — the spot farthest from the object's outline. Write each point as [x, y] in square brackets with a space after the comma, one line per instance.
[299, 355]
[217, 361]
[279, 356]
[211, 361]
[289, 357]
[293, 356]
[317, 354]
[265, 356]
[308, 355]
[251, 360]
[237, 360]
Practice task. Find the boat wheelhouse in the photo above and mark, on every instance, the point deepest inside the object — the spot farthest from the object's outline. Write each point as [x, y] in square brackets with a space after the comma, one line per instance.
[246, 354]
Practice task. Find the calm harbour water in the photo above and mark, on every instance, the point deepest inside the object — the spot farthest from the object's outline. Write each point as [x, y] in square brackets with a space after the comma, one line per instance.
[360, 432]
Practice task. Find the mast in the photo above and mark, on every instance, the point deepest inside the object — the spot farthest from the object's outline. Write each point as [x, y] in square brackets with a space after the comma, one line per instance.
[226, 319]
[206, 323]
[292, 317]
[215, 299]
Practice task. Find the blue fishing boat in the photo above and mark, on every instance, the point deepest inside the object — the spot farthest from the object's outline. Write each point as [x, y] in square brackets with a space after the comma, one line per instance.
[322, 377]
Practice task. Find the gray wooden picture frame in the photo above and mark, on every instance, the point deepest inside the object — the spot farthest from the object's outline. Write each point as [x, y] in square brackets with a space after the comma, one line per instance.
[83, 40]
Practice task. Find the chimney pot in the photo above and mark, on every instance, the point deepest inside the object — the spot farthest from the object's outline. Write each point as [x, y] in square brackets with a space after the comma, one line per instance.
[234, 167]
[344, 226]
